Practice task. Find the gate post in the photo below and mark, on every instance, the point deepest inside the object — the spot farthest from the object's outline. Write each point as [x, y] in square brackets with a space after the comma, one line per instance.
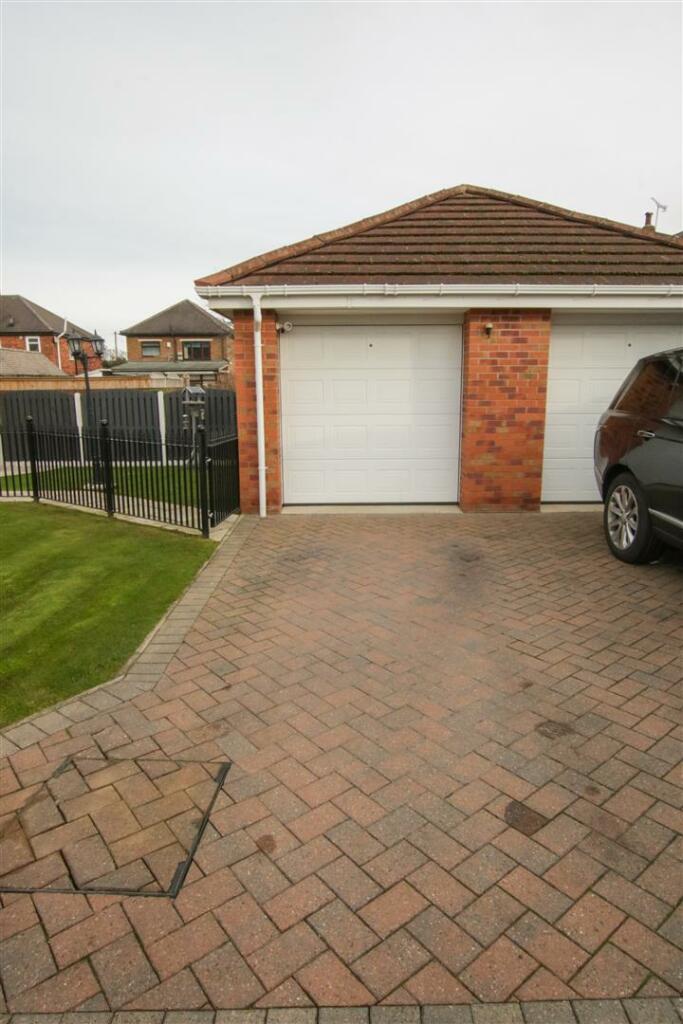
[33, 457]
[203, 470]
[105, 460]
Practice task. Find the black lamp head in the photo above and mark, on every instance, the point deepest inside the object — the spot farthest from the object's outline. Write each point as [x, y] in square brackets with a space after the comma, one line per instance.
[74, 343]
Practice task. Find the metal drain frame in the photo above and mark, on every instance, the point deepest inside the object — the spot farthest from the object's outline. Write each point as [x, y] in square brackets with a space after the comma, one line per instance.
[183, 867]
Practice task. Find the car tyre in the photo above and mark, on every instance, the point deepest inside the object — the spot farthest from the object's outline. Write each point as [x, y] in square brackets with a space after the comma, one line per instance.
[627, 522]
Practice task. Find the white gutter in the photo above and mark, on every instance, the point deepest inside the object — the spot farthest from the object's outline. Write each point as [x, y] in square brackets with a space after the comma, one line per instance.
[576, 297]
[225, 290]
[260, 420]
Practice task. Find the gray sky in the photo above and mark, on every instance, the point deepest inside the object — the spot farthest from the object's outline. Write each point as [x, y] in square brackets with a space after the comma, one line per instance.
[147, 144]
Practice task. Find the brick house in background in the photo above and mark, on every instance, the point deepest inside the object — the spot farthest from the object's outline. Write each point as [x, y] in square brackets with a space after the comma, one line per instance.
[458, 348]
[182, 333]
[27, 326]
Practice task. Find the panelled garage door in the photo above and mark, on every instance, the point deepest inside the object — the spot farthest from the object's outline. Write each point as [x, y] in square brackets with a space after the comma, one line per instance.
[588, 362]
[371, 414]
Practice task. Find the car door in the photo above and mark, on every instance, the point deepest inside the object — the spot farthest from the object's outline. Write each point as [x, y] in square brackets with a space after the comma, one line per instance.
[657, 456]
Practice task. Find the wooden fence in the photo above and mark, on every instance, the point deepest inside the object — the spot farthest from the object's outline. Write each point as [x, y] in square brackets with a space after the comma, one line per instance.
[152, 416]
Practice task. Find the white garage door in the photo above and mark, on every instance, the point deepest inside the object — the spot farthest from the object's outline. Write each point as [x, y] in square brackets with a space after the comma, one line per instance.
[588, 362]
[371, 414]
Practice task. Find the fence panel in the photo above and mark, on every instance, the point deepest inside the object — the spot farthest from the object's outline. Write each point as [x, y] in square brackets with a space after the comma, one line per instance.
[15, 479]
[130, 415]
[51, 410]
[50, 466]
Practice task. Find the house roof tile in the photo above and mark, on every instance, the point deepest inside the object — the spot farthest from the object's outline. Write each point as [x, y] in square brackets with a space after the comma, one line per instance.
[184, 319]
[19, 315]
[469, 234]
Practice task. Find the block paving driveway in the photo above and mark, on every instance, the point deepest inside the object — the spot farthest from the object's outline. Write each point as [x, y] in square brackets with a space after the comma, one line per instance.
[455, 748]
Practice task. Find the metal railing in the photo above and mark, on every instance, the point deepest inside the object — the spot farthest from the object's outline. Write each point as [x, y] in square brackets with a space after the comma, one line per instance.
[193, 483]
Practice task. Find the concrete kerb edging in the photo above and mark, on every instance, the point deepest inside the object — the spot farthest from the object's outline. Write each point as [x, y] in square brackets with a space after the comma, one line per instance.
[138, 674]
[578, 1011]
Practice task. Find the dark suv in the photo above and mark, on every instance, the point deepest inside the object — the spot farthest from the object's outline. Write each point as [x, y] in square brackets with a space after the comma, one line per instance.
[639, 460]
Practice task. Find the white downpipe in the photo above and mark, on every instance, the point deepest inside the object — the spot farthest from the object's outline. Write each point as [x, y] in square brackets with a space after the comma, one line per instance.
[59, 347]
[260, 418]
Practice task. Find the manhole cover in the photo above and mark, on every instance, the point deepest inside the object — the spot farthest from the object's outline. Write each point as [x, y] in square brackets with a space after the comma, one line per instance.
[524, 818]
[554, 730]
[99, 825]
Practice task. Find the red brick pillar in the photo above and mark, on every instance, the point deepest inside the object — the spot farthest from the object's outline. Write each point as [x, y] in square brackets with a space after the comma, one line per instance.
[504, 390]
[245, 390]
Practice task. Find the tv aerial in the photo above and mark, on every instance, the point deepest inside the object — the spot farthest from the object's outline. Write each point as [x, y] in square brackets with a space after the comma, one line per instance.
[659, 206]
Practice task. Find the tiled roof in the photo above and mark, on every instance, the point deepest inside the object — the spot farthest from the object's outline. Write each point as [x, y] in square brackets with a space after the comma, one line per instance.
[15, 362]
[465, 235]
[22, 316]
[184, 319]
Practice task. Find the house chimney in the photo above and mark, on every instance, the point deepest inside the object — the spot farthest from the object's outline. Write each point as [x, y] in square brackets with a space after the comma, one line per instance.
[648, 225]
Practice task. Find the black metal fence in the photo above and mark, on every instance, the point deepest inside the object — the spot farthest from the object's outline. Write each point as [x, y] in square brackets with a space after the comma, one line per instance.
[191, 482]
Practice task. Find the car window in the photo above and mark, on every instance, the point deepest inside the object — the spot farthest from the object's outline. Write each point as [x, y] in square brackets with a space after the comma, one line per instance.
[653, 391]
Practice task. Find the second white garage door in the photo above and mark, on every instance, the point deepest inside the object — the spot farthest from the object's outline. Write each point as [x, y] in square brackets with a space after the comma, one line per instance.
[371, 414]
[588, 362]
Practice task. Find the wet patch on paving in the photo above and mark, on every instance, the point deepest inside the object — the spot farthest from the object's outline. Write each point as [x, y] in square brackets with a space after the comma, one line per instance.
[524, 818]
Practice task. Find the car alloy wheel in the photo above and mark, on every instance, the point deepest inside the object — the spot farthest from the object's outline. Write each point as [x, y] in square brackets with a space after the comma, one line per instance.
[622, 517]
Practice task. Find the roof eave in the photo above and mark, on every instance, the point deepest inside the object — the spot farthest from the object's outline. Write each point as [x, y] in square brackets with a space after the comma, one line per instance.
[665, 297]
[436, 288]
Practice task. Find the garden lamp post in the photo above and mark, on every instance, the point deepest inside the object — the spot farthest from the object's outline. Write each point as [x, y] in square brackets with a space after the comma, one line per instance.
[79, 355]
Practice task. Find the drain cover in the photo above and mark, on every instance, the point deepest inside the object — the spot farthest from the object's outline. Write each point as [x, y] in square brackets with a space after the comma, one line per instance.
[553, 730]
[99, 825]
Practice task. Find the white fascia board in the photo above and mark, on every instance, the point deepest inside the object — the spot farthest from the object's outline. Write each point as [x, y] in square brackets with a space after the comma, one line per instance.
[447, 296]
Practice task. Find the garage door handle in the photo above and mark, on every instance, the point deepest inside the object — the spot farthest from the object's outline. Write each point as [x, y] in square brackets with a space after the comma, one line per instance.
[646, 433]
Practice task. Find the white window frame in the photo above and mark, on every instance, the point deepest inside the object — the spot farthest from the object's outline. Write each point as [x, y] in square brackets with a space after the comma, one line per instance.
[28, 339]
[150, 341]
[203, 341]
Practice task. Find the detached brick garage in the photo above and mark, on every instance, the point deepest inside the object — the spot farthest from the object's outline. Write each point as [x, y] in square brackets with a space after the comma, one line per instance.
[458, 348]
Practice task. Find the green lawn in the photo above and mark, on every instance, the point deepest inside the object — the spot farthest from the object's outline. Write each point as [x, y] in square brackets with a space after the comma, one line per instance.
[79, 593]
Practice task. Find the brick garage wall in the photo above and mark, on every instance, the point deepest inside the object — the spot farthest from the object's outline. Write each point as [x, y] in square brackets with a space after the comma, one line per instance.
[245, 390]
[171, 348]
[503, 422]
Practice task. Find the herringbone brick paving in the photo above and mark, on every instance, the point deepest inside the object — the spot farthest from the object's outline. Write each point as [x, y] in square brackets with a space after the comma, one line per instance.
[455, 745]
